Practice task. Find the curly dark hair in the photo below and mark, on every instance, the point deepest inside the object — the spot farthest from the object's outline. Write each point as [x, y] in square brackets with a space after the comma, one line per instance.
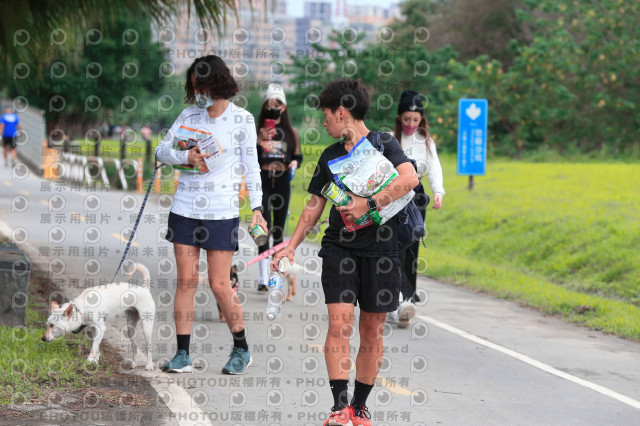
[212, 77]
[352, 95]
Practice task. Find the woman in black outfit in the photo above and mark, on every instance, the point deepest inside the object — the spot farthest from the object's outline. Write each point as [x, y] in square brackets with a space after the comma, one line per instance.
[279, 156]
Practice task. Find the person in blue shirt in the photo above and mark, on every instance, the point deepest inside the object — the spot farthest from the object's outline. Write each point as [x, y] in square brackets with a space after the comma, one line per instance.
[9, 127]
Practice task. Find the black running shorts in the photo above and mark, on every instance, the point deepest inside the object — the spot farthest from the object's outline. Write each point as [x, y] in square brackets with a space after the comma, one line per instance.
[372, 282]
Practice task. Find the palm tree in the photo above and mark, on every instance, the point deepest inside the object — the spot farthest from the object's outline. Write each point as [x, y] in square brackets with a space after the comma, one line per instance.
[29, 28]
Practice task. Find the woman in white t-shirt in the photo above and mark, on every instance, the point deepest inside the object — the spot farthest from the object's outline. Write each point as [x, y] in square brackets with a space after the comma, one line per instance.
[214, 144]
[412, 130]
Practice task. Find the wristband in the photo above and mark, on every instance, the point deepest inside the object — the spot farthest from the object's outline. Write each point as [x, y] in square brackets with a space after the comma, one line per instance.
[297, 157]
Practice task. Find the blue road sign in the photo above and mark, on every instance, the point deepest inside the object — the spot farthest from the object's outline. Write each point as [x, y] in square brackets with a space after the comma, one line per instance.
[472, 136]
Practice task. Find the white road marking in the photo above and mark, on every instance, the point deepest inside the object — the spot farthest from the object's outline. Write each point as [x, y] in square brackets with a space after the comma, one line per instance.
[534, 363]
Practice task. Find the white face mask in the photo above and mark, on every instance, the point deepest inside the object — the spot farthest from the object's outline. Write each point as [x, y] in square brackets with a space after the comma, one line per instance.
[203, 101]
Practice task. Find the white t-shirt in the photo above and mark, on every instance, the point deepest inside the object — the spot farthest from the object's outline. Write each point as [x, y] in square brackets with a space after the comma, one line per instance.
[427, 161]
[214, 195]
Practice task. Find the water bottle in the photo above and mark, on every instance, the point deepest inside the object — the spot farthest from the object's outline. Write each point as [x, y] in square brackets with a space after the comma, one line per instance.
[292, 173]
[276, 292]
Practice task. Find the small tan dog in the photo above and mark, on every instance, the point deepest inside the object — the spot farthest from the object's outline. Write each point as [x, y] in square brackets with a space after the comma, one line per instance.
[291, 290]
[290, 276]
[96, 304]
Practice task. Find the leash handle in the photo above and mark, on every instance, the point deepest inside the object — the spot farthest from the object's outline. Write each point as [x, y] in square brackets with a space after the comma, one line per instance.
[133, 232]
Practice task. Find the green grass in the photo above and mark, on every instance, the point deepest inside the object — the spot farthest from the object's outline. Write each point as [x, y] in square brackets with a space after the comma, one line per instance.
[561, 237]
[31, 368]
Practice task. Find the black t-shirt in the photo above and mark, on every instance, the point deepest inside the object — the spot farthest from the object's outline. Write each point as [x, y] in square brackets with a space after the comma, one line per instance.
[275, 150]
[372, 240]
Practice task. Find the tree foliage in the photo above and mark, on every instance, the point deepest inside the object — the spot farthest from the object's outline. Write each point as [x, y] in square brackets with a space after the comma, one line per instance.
[387, 72]
[30, 27]
[472, 27]
[573, 86]
[116, 73]
[576, 83]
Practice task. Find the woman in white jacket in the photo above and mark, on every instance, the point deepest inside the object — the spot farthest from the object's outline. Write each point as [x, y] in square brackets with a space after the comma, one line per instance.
[412, 130]
[213, 142]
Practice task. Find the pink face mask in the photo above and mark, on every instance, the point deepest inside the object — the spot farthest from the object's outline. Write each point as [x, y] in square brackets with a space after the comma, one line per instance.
[409, 130]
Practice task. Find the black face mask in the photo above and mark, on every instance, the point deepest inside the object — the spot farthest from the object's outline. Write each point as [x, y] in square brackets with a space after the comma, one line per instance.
[272, 113]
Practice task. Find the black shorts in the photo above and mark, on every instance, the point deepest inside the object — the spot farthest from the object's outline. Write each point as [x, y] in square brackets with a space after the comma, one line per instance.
[206, 234]
[9, 141]
[373, 282]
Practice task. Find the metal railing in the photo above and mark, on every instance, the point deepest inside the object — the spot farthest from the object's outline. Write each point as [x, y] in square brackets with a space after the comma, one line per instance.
[91, 169]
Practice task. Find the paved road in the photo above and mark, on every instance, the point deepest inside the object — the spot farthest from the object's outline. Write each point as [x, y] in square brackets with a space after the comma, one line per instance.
[467, 359]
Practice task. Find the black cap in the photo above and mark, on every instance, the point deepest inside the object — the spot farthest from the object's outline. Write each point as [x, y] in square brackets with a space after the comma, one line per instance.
[410, 101]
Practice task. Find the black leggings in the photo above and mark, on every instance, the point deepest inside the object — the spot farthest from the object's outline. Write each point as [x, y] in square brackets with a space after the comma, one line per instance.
[409, 257]
[276, 191]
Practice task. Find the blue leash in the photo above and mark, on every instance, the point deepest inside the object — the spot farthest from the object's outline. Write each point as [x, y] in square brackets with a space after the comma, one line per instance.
[133, 233]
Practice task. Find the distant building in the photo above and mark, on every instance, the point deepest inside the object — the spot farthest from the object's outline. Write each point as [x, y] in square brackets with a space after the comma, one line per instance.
[370, 19]
[314, 27]
[340, 15]
[320, 10]
[256, 46]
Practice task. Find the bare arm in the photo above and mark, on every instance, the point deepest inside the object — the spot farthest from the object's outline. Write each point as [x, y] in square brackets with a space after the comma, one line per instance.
[308, 219]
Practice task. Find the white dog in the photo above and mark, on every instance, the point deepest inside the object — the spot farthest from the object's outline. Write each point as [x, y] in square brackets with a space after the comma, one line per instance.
[96, 304]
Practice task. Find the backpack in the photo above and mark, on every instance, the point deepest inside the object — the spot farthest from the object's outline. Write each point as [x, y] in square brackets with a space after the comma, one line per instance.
[410, 224]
